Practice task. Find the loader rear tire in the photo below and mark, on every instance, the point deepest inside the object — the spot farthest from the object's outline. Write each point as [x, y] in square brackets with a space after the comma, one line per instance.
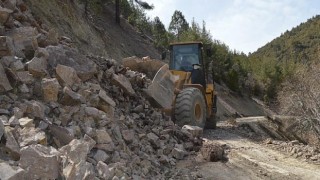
[190, 108]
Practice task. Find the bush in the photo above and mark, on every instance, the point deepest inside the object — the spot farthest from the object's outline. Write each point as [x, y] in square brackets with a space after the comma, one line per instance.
[300, 96]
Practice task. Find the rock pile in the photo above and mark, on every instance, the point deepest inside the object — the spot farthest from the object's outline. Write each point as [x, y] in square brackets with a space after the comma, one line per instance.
[64, 115]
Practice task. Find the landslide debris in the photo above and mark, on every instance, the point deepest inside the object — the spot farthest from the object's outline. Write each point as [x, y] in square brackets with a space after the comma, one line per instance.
[64, 115]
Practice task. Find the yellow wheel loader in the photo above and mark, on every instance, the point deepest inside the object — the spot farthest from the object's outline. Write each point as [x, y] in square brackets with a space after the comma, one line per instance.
[181, 88]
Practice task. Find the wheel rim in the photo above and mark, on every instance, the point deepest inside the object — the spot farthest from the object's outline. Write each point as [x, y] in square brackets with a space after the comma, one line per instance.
[198, 112]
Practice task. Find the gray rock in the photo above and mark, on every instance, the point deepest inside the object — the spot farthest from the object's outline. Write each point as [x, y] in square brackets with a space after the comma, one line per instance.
[2, 129]
[67, 76]
[24, 88]
[50, 89]
[4, 15]
[4, 112]
[178, 153]
[84, 67]
[194, 130]
[40, 162]
[103, 95]
[100, 156]
[62, 135]
[106, 147]
[81, 170]
[122, 82]
[25, 41]
[13, 121]
[31, 135]
[26, 122]
[153, 138]
[71, 98]
[6, 46]
[17, 66]
[4, 82]
[35, 109]
[103, 170]
[8, 172]
[106, 104]
[25, 77]
[94, 113]
[128, 135]
[38, 67]
[76, 151]
[138, 109]
[18, 112]
[102, 137]
[10, 4]
[12, 145]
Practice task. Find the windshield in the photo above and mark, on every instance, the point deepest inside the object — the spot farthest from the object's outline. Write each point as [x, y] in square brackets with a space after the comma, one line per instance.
[184, 56]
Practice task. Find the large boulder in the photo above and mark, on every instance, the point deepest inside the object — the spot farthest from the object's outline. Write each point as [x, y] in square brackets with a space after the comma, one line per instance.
[50, 89]
[67, 56]
[71, 98]
[40, 162]
[4, 15]
[77, 150]
[38, 67]
[122, 82]
[11, 172]
[6, 46]
[67, 76]
[25, 41]
[4, 82]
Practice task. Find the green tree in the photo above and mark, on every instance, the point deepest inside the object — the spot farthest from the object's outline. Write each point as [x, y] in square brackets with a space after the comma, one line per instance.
[160, 34]
[178, 24]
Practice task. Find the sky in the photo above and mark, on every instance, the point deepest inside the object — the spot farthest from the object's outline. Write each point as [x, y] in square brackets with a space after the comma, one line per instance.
[243, 25]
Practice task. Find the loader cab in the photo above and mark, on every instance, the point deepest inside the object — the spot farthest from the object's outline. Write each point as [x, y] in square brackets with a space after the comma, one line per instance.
[188, 57]
[183, 56]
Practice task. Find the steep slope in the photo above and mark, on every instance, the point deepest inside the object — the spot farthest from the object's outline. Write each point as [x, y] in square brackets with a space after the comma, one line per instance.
[96, 32]
[301, 44]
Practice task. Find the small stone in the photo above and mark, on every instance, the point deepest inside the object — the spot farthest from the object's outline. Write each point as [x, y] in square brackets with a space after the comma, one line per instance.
[4, 112]
[194, 130]
[38, 67]
[26, 122]
[24, 88]
[100, 156]
[128, 135]
[25, 77]
[71, 98]
[50, 89]
[103, 170]
[102, 137]
[178, 153]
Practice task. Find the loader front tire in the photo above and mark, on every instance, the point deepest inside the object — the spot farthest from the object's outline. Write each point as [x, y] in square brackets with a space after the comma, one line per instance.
[190, 108]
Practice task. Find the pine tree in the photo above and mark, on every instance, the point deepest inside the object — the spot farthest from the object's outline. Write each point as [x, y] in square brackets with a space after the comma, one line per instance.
[160, 33]
[178, 24]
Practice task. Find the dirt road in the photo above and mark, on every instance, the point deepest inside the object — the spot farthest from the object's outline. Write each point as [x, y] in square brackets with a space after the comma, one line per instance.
[248, 160]
[247, 155]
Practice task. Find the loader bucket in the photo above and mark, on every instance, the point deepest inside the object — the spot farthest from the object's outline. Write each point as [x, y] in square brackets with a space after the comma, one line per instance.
[161, 91]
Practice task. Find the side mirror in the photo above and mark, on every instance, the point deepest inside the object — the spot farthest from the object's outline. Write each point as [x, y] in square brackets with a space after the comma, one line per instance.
[209, 52]
[163, 55]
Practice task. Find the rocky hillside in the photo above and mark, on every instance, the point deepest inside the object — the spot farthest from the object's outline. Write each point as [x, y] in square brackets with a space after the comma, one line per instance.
[93, 31]
[66, 115]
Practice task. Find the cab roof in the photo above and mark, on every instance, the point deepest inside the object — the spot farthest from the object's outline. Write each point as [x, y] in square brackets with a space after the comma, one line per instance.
[187, 42]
